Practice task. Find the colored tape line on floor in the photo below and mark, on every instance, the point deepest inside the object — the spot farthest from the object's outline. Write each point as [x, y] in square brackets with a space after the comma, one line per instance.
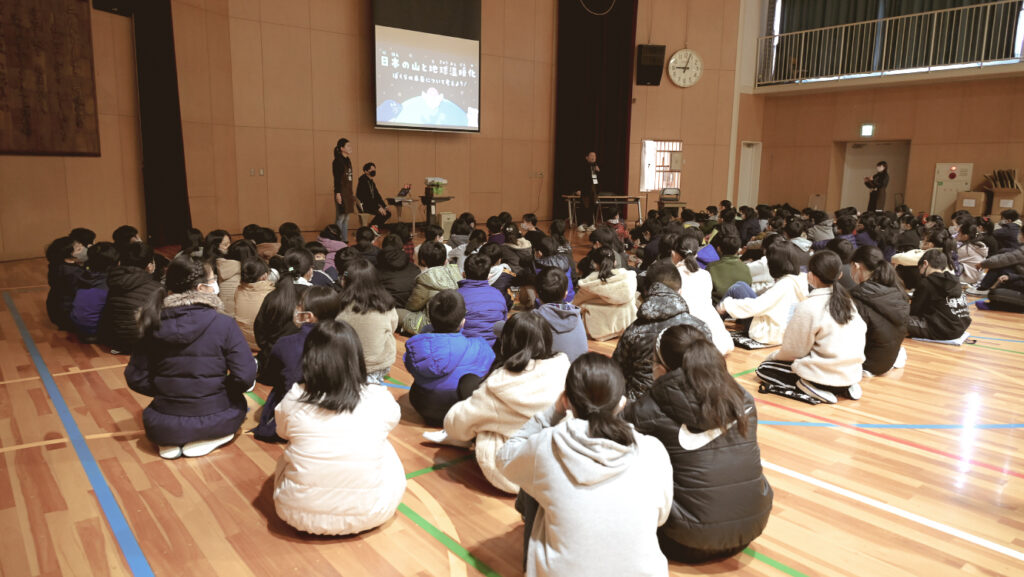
[439, 466]
[922, 426]
[995, 349]
[447, 541]
[126, 540]
[997, 339]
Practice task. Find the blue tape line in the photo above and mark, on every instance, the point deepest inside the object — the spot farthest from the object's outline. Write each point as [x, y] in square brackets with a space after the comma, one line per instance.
[137, 562]
[892, 426]
[394, 385]
[997, 339]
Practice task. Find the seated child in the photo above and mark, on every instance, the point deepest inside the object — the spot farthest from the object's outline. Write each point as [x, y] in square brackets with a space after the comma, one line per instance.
[339, 474]
[129, 287]
[437, 360]
[396, 272]
[65, 257]
[882, 303]
[485, 305]
[702, 416]
[457, 241]
[823, 347]
[364, 244]
[249, 297]
[594, 491]
[607, 297]
[437, 276]
[567, 332]
[844, 249]
[548, 256]
[769, 313]
[938, 310]
[494, 231]
[330, 238]
[527, 378]
[322, 276]
[369, 309]
[284, 367]
[696, 290]
[432, 233]
[662, 308]
[530, 231]
[91, 296]
[501, 276]
[517, 253]
[729, 269]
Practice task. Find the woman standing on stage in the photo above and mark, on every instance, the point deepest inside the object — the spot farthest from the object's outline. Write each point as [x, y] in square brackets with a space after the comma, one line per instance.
[344, 199]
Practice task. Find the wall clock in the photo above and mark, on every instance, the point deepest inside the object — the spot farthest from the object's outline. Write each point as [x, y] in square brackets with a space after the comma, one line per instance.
[685, 68]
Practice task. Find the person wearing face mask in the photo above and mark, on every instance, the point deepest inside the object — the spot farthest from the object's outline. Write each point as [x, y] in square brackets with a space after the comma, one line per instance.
[370, 200]
[877, 183]
[193, 361]
[66, 258]
[284, 367]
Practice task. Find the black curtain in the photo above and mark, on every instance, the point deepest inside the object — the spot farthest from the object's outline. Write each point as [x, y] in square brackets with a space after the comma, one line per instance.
[594, 92]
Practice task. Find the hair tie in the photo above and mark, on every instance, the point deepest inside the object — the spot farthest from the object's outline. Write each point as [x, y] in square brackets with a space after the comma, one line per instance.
[687, 253]
[291, 269]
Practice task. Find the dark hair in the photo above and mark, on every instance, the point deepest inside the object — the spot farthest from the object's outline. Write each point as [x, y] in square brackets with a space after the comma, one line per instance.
[468, 218]
[711, 209]
[872, 259]
[942, 240]
[846, 224]
[297, 262]
[511, 233]
[123, 236]
[530, 218]
[747, 212]
[461, 228]
[607, 237]
[289, 229]
[970, 230]
[664, 273]
[290, 242]
[727, 216]
[84, 236]
[138, 254]
[603, 261]
[193, 241]
[184, 274]
[331, 232]
[729, 245]
[478, 266]
[333, 367]
[432, 232]
[667, 244]
[505, 217]
[391, 242]
[446, 311]
[686, 247]
[432, 253]
[212, 247]
[364, 237]
[241, 250]
[771, 239]
[883, 164]
[828, 267]
[493, 225]
[251, 232]
[1009, 214]
[322, 301]
[315, 248]
[60, 249]
[725, 204]
[783, 259]
[361, 289]
[368, 166]
[525, 337]
[842, 247]
[552, 285]
[401, 230]
[594, 387]
[341, 144]
[547, 246]
[719, 398]
[493, 252]
[252, 269]
[344, 257]
[936, 259]
[794, 229]
[557, 231]
[477, 239]
[102, 257]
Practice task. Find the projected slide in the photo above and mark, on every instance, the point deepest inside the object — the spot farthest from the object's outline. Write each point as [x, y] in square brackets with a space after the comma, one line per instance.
[427, 80]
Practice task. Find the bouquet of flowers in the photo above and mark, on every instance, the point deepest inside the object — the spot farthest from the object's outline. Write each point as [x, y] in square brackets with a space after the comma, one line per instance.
[435, 185]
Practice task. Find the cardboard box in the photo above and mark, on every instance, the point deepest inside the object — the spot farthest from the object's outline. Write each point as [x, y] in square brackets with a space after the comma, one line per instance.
[971, 201]
[1004, 199]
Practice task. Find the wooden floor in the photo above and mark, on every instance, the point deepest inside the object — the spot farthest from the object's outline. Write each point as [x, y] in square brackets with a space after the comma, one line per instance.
[923, 476]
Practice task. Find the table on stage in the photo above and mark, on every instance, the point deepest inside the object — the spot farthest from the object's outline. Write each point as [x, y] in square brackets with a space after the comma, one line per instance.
[430, 203]
[399, 202]
[574, 200]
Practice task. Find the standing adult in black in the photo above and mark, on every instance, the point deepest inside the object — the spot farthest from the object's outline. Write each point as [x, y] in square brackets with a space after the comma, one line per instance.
[344, 199]
[589, 185]
[370, 200]
[877, 185]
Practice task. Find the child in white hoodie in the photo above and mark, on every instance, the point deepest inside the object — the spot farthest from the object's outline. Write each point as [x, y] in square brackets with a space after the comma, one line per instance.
[594, 490]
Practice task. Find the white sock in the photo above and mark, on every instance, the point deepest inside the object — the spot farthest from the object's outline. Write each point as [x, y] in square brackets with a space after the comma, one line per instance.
[441, 438]
[901, 359]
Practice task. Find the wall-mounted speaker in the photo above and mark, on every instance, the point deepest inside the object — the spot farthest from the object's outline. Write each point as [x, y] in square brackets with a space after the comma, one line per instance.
[650, 62]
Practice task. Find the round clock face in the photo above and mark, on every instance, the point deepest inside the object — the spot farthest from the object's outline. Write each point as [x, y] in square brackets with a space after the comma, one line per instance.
[685, 68]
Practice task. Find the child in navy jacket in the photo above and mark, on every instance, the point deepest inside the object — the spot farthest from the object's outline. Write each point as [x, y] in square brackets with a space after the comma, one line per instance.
[485, 304]
[91, 296]
[65, 256]
[439, 359]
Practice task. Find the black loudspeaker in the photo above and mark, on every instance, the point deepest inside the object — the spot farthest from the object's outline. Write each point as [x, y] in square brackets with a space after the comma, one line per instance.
[650, 61]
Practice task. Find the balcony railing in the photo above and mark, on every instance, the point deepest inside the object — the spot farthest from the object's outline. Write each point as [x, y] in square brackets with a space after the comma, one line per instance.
[970, 36]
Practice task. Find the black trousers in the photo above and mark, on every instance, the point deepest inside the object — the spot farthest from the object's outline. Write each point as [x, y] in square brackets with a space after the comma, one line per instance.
[877, 200]
[379, 219]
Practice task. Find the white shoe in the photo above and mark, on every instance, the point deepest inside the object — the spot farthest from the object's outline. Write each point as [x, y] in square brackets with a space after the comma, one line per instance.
[169, 452]
[441, 438]
[205, 447]
[581, 228]
[854, 392]
[820, 394]
[901, 359]
[591, 228]
[976, 292]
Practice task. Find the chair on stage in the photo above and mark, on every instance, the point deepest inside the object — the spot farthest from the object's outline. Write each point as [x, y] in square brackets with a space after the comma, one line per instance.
[669, 198]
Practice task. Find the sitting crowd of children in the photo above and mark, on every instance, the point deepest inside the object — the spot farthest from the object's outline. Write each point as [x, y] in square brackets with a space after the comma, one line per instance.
[498, 328]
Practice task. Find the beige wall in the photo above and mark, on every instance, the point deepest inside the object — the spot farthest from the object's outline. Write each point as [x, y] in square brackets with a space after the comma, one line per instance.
[700, 116]
[273, 84]
[43, 197]
[979, 121]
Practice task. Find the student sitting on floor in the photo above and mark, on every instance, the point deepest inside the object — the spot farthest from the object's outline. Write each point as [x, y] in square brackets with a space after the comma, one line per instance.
[938, 310]
[368, 308]
[530, 230]
[193, 361]
[971, 251]
[485, 305]
[129, 287]
[438, 359]
[882, 303]
[431, 233]
[729, 269]
[770, 312]
[91, 296]
[249, 297]
[396, 272]
[1005, 278]
[364, 244]
[547, 255]
[494, 234]
[662, 308]
[557, 231]
[65, 257]
[339, 474]
[517, 253]
[437, 276]
[527, 378]
[823, 348]
[275, 317]
[845, 227]
[594, 491]
[458, 240]
[607, 296]
[696, 290]
[284, 367]
[567, 332]
[1009, 230]
[708, 423]
[321, 275]
[500, 275]
[330, 238]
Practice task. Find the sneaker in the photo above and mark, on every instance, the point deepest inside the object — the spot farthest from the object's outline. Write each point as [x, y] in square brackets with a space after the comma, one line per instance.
[581, 228]
[591, 228]
[205, 447]
[441, 438]
[169, 452]
[901, 359]
[854, 391]
[375, 230]
[816, 392]
[116, 352]
[977, 292]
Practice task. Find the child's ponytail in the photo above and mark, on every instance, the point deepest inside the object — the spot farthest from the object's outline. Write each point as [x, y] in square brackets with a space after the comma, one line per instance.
[603, 261]
[687, 247]
[594, 388]
[184, 274]
[827, 266]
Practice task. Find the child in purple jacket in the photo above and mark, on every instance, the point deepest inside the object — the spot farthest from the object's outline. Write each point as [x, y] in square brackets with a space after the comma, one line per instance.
[485, 304]
[91, 296]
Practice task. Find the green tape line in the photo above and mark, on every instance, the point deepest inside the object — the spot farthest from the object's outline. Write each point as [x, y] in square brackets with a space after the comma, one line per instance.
[996, 349]
[769, 561]
[746, 372]
[256, 398]
[439, 466]
[447, 541]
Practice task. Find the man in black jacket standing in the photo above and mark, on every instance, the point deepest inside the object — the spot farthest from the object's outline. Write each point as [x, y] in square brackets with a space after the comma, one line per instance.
[589, 185]
[877, 185]
[370, 200]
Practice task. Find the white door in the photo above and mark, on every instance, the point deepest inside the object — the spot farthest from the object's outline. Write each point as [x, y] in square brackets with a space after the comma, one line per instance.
[750, 174]
[861, 158]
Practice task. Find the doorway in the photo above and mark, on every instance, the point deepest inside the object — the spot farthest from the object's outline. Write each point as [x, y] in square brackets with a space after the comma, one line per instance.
[860, 161]
[750, 174]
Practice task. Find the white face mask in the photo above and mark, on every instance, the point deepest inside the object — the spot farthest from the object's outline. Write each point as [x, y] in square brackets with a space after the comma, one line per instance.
[214, 286]
[879, 168]
[81, 255]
